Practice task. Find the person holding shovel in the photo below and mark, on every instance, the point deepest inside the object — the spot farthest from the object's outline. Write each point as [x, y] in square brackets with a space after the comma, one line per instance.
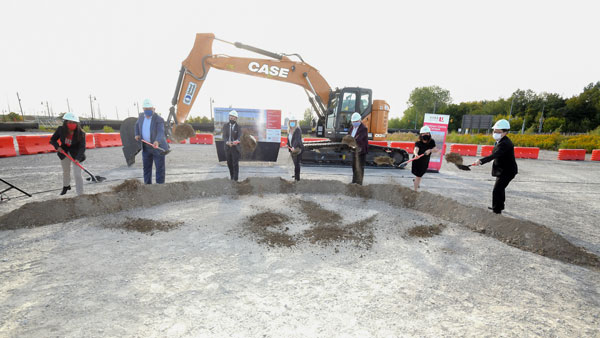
[423, 149]
[359, 132]
[295, 146]
[72, 142]
[504, 167]
[231, 136]
[150, 127]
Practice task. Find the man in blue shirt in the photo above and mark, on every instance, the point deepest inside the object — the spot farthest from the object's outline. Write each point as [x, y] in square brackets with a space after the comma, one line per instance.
[151, 128]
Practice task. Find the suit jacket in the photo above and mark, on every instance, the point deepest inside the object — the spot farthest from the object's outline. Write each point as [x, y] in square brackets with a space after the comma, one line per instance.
[157, 130]
[362, 138]
[297, 139]
[235, 135]
[504, 159]
[77, 148]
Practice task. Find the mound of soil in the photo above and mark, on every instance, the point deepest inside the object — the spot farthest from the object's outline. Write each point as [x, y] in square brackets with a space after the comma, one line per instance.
[144, 225]
[349, 141]
[128, 186]
[360, 232]
[267, 227]
[426, 230]
[317, 215]
[183, 132]
[454, 158]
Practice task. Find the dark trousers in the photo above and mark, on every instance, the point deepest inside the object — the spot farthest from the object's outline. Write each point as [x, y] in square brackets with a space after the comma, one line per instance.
[233, 162]
[358, 168]
[296, 160]
[498, 195]
[149, 156]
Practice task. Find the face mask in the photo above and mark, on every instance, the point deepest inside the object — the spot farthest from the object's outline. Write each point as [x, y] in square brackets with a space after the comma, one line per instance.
[148, 112]
[232, 121]
[497, 136]
[292, 124]
[426, 137]
[356, 124]
[71, 126]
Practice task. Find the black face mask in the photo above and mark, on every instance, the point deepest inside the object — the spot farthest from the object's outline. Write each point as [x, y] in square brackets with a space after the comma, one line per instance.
[232, 121]
[426, 137]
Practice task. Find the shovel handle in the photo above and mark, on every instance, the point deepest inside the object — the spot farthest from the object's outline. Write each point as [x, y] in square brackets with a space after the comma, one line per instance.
[152, 145]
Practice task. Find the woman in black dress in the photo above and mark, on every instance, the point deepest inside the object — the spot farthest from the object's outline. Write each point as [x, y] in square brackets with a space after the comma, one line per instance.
[424, 146]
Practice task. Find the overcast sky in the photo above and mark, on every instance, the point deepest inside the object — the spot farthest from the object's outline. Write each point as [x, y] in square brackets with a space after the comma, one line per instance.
[124, 51]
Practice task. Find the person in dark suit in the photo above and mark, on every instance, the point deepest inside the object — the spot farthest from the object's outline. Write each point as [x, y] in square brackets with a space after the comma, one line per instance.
[361, 135]
[504, 167]
[151, 128]
[231, 137]
[295, 146]
[72, 142]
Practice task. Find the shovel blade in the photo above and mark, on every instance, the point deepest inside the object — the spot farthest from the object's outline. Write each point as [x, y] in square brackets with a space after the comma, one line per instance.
[463, 167]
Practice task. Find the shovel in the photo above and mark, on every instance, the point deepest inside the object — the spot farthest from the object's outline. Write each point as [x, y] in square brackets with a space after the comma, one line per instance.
[463, 167]
[412, 159]
[95, 179]
[163, 152]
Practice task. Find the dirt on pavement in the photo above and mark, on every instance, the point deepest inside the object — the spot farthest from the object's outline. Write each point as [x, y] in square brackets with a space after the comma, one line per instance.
[144, 225]
[426, 230]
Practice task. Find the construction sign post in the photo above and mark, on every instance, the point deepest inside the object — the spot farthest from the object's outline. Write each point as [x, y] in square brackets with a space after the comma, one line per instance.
[439, 128]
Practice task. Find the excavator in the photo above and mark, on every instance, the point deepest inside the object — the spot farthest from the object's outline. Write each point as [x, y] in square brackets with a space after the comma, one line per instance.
[333, 107]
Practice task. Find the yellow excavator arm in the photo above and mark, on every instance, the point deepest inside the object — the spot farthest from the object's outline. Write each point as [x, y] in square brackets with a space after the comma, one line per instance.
[196, 66]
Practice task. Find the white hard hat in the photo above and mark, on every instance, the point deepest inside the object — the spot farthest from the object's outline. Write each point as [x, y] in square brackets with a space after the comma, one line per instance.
[501, 124]
[147, 104]
[355, 117]
[425, 129]
[233, 113]
[71, 117]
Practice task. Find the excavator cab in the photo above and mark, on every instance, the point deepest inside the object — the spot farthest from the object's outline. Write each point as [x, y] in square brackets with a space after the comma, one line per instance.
[342, 104]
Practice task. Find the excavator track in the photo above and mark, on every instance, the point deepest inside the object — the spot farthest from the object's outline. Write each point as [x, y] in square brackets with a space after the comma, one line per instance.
[338, 154]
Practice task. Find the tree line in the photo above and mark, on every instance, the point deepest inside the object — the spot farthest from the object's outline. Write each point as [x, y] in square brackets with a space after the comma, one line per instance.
[524, 109]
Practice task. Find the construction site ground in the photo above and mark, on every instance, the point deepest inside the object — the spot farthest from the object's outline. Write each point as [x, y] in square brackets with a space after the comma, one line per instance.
[268, 257]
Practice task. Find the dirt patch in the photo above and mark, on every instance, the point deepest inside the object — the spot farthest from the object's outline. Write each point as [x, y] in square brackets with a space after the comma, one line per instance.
[144, 225]
[267, 227]
[360, 232]
[383, 160]
[285, 187]
[361, 191]
[454, 158]
[183, 132]
[244, 187]
[426, 230]
[128, 186]
[349, 141]
[317, 214]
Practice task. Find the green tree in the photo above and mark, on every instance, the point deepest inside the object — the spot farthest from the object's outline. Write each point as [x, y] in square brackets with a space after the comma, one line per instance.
[307, 118]
[423, 100]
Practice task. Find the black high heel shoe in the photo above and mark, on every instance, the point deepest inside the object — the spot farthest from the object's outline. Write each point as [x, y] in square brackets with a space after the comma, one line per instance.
[65, 189]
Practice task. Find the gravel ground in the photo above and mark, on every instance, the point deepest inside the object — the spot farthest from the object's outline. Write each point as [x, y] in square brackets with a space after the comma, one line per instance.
[211, 277]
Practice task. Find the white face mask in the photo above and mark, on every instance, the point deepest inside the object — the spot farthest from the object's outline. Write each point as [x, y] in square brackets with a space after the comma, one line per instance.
[497, 136]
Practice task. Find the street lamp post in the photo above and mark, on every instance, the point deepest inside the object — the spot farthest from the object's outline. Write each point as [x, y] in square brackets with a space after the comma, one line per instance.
[23, 116]
[211, 108]
[91, 105]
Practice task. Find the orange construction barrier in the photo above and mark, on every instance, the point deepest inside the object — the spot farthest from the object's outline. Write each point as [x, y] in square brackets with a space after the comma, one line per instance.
[204, 139]
[464, 149]
[486, 150]
[571, 154]
[7, 147]
[313, 139]
[379, 143]
[527, 152]
[34, 144]
[283, 142]
[89, 141]
[103, 140]
[194, 139]
[408, 146]
[595, 155]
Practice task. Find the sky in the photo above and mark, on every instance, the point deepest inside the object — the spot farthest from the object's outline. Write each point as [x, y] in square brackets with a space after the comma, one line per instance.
[121, 52]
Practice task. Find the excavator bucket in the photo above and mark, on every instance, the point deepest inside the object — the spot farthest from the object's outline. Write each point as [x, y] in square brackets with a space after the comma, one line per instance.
[130, 146]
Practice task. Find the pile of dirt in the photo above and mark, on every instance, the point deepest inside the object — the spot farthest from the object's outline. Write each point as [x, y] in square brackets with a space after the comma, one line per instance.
[318, 215]
[182, 132]
[454, 158]
[426, 230]
[349, 141]
[248, 142]
[128, 186]
[359, 232]
[267, 226]
[244, 187]
[383, 160]
[144, 225]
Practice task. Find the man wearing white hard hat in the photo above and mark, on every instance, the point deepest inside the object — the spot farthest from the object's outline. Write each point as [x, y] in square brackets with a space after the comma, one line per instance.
[231, 137]
[72, 142]
[423, 149]
[361, 135]
[295, 145]
[504, 167]
[150, 127]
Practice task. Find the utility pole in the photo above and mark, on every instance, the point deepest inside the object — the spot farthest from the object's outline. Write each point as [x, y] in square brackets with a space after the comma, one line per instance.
[20, 107]
[48, 108]
[117, 111]
[68, 105]
[541, 118]
[211, 108]
[523, 126]
[91, 106]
